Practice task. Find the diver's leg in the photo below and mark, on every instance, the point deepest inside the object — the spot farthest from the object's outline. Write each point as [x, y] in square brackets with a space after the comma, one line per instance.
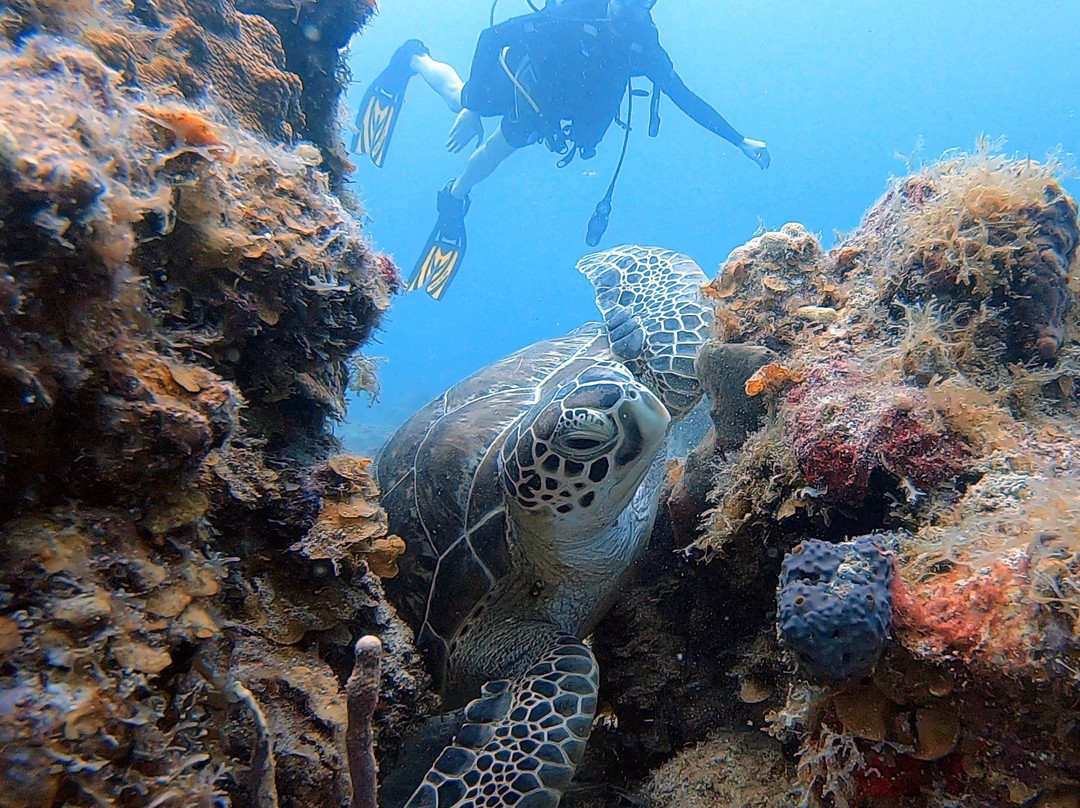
[445, 249]
[441, 77]
[482, 162]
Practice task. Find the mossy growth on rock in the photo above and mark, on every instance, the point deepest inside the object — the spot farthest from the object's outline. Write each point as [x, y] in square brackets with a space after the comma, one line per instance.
[182, 295]
[909, 353]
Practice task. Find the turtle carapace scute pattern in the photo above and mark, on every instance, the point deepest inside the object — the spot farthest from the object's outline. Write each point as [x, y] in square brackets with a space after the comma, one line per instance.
[524, 494]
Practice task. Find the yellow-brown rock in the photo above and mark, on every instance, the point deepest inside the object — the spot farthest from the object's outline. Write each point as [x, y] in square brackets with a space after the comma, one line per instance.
[181, 296]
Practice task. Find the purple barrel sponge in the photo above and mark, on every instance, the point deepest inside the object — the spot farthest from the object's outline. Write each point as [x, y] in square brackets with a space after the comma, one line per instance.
[835, 606]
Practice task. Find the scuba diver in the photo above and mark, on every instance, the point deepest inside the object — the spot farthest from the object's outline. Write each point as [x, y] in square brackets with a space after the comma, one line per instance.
[555, 76]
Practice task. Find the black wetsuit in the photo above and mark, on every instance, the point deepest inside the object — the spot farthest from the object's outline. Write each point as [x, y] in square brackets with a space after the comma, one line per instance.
[574, 64]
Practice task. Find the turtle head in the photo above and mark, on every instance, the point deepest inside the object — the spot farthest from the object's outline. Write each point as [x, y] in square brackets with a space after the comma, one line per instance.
[575, 459]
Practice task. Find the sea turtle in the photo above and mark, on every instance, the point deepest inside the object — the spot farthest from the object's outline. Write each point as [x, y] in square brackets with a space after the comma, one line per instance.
[524, 494]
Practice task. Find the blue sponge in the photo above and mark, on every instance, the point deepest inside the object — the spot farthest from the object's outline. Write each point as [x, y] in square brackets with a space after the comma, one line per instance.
[835, 606]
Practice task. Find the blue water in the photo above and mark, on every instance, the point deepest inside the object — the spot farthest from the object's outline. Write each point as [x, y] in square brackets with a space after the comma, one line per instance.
[840, 90]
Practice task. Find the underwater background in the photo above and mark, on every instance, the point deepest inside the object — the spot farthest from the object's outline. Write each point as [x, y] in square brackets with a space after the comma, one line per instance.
[846, 93]
[197, 588]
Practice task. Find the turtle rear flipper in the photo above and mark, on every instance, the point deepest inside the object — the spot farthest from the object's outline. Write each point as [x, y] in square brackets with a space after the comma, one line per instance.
[522, 739]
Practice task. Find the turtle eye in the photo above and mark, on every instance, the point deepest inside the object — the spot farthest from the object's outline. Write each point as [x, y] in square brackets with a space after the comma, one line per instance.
[583, 444]
[584, 435]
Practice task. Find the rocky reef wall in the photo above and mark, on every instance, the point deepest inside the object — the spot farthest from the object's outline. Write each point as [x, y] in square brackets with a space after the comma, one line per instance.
[915, 386]
[182, 300]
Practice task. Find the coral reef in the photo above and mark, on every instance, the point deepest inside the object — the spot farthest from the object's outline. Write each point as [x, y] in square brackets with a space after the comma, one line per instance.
[850, 432]
[186, 560]
[926, 384]
[918, 380]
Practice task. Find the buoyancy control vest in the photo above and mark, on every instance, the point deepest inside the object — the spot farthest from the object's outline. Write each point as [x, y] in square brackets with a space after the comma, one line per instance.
[574, 72]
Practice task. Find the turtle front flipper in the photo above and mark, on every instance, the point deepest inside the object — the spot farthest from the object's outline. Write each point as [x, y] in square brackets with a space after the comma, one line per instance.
[522, 739]
[656, 316]
[625, 332]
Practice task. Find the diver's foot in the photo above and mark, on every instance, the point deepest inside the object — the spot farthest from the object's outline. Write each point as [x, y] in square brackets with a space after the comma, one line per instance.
[452, 209]
[382, 103]
[445, 249]
[402, 58]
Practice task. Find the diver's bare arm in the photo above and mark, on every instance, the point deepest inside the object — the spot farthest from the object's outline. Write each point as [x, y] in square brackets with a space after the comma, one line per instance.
[698, 109]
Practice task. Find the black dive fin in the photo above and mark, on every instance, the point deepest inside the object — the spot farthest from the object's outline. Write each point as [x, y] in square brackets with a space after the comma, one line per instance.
[445, 248]
[382, 102]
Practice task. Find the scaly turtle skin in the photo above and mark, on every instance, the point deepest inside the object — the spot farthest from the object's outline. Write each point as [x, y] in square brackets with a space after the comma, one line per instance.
[524, 494]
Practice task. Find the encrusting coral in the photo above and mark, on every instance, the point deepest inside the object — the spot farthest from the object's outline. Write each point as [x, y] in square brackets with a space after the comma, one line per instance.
[926, 384]
[917, 382]
[181, 298]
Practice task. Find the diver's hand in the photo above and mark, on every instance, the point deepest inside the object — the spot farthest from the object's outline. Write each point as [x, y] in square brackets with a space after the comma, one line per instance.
[466, 126]
[757, 151]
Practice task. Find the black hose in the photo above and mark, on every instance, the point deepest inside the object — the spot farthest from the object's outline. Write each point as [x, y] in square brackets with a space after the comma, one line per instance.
[599, 221]
[495, 4]
[654, 111]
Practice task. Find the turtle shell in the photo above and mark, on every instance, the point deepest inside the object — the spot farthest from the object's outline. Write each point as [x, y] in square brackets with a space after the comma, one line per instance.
[440, 485]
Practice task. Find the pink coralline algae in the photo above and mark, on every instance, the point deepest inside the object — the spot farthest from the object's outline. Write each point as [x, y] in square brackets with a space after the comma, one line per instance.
[846, 428]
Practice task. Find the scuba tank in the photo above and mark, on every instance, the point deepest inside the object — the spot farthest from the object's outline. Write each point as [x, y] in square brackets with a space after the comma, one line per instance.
[532, 5]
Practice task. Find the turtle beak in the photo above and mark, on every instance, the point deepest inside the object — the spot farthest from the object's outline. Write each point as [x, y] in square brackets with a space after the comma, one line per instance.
[644, 421]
